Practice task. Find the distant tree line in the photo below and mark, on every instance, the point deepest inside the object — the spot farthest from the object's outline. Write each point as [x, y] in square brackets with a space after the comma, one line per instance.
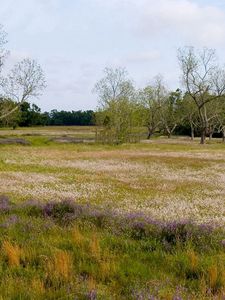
[80, 118]
[27, 115]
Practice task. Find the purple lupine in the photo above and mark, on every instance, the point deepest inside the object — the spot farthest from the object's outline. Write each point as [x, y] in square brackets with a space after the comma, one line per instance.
[12, 220]
[92, 295]
[5, 204]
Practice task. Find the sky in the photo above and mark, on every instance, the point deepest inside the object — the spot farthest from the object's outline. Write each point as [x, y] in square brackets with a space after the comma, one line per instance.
[74, 40]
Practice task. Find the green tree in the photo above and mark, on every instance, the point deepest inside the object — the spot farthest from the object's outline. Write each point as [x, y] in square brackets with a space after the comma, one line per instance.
[189, 114]
[150, 101]
[116, 111]
[170, 113]
[12, 119]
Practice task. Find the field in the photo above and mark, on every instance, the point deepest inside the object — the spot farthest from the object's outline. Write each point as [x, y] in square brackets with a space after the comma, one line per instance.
[169, 193]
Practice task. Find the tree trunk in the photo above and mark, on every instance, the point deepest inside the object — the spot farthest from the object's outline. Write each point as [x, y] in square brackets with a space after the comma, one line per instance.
[192, 133]
[169, 132]
[203, 119]
[223, 134]
[202, 141]
[149, 135]
[210, 136]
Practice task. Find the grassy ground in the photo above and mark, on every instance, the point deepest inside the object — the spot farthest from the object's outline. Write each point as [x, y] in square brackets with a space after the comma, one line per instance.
[173, 179]
[169, 181]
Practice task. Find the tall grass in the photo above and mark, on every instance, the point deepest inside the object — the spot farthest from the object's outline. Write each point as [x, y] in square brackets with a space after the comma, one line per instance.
[12, 252]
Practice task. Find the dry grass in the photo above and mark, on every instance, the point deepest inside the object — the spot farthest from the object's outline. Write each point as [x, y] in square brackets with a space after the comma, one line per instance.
[95, 248]
[12, 252]
[38, 286]
[193, 258]
[60, 266]
[77, 237]
[213, 276]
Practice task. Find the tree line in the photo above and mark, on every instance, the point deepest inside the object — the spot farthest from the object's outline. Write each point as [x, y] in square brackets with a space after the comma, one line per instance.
[27, 115]
[197, 109]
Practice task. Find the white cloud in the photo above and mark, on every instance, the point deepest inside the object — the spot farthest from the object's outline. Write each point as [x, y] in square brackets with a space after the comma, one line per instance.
[142, 57]
[192, 23]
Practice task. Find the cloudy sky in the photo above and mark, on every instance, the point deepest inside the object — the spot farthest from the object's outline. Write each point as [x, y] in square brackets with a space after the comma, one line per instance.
[74, 40]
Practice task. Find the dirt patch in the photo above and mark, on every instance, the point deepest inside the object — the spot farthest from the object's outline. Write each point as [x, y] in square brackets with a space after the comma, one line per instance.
[71, 140]
[9, 141]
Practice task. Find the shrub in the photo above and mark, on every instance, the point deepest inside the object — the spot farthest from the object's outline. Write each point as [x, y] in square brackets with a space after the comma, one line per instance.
[65, 211]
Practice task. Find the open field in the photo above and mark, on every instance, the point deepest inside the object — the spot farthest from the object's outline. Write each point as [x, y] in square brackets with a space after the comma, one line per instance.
[147, 221]
[168, 180]
[74, 131]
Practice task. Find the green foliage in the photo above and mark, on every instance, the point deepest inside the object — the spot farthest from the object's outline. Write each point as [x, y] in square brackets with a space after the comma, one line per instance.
[13, 119]
[79, 118]
[118, 120]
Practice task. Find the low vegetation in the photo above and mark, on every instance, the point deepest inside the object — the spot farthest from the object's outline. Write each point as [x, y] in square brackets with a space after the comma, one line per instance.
[71, 251]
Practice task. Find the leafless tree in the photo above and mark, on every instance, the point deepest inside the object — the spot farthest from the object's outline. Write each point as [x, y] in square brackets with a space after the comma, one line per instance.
[26, 80]
[114, 85]
[203, 79]
[3, 42]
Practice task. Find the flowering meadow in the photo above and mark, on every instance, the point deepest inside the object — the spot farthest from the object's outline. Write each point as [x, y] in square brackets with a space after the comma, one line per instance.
[90, 221]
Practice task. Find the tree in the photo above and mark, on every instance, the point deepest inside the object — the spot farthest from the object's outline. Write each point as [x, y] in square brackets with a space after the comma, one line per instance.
[12, 119]
[30, 115]
[116, 105]
[25, 81]
[150, 101]
[214, 110]
[203, 79]
[189, 114]
[113, 86]
[3, 42]
[221, 119]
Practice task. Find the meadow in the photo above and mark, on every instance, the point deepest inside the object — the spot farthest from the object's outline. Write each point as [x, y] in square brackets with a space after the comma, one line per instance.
[91, 221]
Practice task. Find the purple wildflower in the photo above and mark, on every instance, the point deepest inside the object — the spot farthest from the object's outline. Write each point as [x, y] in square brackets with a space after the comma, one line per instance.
[4, 203]
[92, 295]
[12, 220]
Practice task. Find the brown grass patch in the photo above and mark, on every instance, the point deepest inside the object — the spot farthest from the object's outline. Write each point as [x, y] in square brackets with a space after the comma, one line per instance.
[12, 252]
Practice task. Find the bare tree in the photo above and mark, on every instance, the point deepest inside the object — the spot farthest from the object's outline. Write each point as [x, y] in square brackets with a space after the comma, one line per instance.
[203, 79]
[26, 80]
[113, 86]
[3, 42]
